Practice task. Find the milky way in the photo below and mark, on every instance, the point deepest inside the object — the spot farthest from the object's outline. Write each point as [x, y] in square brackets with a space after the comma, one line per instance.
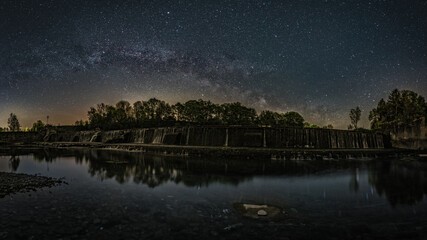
[320, 58]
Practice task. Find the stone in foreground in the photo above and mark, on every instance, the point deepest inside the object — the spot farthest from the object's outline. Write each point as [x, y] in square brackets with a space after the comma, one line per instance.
[262, 213]
[258, 211]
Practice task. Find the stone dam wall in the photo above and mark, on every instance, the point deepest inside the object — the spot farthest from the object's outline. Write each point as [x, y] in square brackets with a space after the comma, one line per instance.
[22, 137]
[255, 137]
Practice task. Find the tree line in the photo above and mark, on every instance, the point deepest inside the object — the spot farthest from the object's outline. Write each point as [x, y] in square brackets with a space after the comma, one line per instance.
[155, 112]
[401, 107]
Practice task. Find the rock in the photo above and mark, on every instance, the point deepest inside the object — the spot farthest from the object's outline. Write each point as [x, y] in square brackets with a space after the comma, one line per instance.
[262, 213]
[251, 206]
[293, 210]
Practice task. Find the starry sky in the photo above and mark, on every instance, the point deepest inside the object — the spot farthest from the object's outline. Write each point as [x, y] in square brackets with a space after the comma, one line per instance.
[320, 58]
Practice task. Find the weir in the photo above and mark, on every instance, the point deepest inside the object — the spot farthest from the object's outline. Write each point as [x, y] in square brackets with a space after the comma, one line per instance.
[232, 136]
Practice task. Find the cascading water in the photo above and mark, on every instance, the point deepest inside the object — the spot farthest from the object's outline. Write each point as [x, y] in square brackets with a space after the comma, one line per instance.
[158, 135]
[237, 137]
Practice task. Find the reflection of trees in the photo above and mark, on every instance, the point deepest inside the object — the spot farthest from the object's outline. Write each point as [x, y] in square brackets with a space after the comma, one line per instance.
[105, 165]
[401, 183]
[14, 163]
[50, 155]
[354, 180]
[154, 170]
[43, 156]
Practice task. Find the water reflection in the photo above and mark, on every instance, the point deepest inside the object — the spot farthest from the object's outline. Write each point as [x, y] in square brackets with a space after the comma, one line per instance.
[154, 170]
[14, 163]
[401, 182]
[354, 180]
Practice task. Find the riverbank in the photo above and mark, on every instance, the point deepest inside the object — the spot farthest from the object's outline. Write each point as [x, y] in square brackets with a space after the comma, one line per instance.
[12, 183]
[238, 152]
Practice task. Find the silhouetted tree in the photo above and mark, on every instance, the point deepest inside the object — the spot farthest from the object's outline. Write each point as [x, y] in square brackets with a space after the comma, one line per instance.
[293, 119]
[157, 110]
[38, 126]
[236, 113]
[355, 114]
[139, 112]
[200, 111]
[101, 116]
[81, 125]
[269, 118]
[402, 107]
[178, 111]
[122, 114]
[13, 123]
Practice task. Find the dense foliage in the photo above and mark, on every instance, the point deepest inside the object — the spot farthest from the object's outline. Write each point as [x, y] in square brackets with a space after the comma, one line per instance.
[38, 126]
[155, 112]
[402, 107]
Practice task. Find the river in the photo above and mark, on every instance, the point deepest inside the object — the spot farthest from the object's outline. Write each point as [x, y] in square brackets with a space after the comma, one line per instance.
[133, 195]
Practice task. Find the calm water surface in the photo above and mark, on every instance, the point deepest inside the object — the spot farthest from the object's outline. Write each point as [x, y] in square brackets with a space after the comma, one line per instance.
[123, 195]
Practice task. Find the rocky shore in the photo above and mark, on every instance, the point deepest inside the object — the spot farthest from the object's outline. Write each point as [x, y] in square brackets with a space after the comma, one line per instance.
[13, 183]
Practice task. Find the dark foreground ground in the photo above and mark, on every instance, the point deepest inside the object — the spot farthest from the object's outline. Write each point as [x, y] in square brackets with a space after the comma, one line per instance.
[13, 183]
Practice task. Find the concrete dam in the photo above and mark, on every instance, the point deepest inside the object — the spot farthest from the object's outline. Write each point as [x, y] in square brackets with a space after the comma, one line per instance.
[230, 136]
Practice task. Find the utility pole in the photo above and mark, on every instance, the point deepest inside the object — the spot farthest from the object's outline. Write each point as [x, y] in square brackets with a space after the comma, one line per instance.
[47, 119]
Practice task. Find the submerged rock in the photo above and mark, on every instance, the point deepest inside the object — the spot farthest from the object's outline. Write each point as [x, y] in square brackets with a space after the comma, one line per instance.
[250, 206]
[262, 213]
[258, 211]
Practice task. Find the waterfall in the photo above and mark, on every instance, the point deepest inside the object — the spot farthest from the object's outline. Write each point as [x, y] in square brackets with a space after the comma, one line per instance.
[232, 137]
[139, 135]
[158, 135]
[96, 137]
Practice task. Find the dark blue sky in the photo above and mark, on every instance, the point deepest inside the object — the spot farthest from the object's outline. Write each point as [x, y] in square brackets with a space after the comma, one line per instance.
[320, 58]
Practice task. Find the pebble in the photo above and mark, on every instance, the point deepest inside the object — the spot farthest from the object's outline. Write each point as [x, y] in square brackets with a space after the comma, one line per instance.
[293, 210]
[262, 213]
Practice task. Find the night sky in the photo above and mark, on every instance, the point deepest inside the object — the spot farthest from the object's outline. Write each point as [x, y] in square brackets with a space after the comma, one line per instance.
[320, 58]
